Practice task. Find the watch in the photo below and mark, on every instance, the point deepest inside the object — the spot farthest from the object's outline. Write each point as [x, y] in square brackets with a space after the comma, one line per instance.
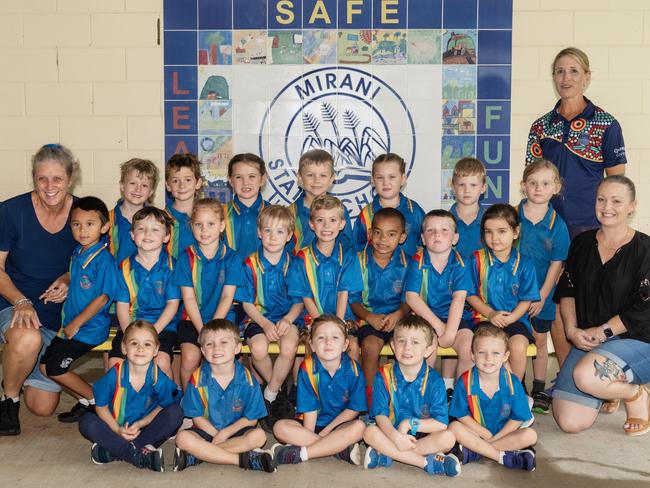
[415, 423]
[607, 330]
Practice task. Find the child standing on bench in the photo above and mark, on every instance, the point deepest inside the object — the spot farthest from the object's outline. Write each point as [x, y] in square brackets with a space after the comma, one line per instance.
[137, 409]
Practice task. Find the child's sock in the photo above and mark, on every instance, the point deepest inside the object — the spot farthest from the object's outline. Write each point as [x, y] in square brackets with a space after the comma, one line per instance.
[539, 385]
[14, 399]
[501, 455]
[269, 395]
[91, 401]
[84, 402]
[449, 383]
[303, 454]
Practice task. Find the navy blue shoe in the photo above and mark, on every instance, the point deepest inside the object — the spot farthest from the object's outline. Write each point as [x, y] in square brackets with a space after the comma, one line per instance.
[183, 459]
[524, 459]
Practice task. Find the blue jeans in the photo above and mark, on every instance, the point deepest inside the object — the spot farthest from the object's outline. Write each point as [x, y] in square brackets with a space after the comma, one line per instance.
[632, 356]
[36, 379]
[162, 427]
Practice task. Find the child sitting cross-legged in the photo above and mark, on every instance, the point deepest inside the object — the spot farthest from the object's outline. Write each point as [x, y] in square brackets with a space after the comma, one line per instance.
[136, 405]
[225, 402]
[410, 406]
[331, 394]
[491, 407]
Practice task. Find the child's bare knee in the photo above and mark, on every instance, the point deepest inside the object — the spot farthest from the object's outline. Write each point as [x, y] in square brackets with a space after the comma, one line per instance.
[257, 437]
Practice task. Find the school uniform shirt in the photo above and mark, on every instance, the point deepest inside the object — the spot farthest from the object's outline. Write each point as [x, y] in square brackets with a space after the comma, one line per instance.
[621, 286]
[508, 403]
[330, 395]
[241, 225]
[204, 397]
[503, 285]
[181, 235]
[208, 277]
[119, 234]
[148, 291]
[266, 285]
[114, 390]
[581, 148]
[382, 287]
[92, 273]
[321, 277]
[412, 212]
[543, 242]
[303, 235]
[398, 399]
[469, 235]
[437, 289]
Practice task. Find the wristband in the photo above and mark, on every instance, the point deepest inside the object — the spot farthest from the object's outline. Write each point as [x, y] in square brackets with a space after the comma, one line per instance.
[23, 301]
[414, 423]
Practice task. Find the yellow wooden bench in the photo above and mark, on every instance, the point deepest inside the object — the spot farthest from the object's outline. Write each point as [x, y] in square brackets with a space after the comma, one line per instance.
[275, 349]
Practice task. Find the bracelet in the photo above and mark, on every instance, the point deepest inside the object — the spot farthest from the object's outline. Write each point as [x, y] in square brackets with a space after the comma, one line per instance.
[23, 301]
[414, 423]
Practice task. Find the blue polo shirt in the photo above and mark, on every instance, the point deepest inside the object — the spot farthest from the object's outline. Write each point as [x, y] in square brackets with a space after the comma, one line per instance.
[303, 235]
[321, 277]
[503, 285]
[241, 398]
[581, 148]
[92, 273]
[345, 390]
[382, 287]
[266, 285]
[437, 289]
[181, 235]
[503, 406]
[412, 212]
[153, 288]
[208, 277]
[119, 235]
[544, 242]
[469, 235]
[423, 398]
[138, 404]
[241, 225]
[35, 256]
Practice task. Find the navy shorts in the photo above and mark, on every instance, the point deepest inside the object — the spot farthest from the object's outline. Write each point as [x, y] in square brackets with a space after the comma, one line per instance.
[207, 437]
[541, 326]
[187, 333]
[368, 330]
[516, 329]
[61, 353]
[252, 329]
[167, 342]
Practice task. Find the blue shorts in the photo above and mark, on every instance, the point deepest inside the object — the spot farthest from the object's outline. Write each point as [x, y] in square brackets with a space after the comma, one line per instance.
[541, 326]
[36, 379]
[629, 354]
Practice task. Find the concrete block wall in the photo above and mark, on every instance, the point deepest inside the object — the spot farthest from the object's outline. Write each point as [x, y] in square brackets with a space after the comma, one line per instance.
[88, 73]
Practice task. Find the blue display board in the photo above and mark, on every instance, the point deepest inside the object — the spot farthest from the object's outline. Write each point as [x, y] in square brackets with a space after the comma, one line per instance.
[427, 79]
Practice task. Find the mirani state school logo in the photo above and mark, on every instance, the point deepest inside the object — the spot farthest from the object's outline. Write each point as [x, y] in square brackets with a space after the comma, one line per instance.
[346, 111]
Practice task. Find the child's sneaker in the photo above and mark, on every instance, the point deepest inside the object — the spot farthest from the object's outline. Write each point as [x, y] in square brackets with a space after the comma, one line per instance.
[183, 459]
[443, 464]
[351, 454]
[524, 459]
[257, 460]
[100, 455]
[374, 459]
[286, 454]
[541, 402]
[75, 413]
[148, 458]
[464, 454]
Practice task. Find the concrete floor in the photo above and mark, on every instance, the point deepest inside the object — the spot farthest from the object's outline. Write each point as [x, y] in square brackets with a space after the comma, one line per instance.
[51, 454]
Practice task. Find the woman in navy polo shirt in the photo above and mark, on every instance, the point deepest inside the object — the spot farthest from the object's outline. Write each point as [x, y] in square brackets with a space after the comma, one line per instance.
[581, 139]
[585, 143]
[35, 248]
